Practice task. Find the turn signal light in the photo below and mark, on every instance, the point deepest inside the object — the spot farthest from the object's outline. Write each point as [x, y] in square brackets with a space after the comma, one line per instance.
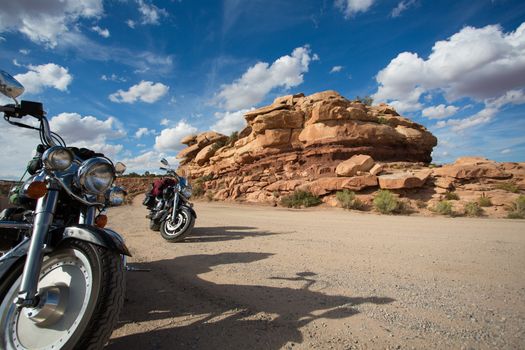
[101, 221]
[36, 189]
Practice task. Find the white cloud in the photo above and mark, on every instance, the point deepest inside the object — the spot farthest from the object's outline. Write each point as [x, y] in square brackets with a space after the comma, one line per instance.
[143, 132]
[76, 129]
[102, 32]
[131, 23]
[352, 7]
[45, 75]
[24, 51]
[44, 22]
[169, 139]
[506, 151]
[402, 6]
[113, 77]
[336, 69]
[145, 91]
[440, 111]
[18, 146]
[151, 14]
[148, 161]
[476, 63]
[252, 87]
[229, 122]
[164, 122]
[492, 107]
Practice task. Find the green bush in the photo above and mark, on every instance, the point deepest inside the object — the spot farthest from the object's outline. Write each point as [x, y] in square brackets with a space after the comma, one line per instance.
[484, 201]
[348, 200]
[300, 199]
[367, 100]
[382, 120]
[451, 196]
[233, 137]
[209, 196]
[198, 185]
[517, 209]
[385, 202]
[473, 209]
[508, 186]
[444, 208]
[217, 145]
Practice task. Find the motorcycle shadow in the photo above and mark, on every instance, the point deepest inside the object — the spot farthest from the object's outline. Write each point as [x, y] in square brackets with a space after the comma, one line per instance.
[173, 307]
[224, 233]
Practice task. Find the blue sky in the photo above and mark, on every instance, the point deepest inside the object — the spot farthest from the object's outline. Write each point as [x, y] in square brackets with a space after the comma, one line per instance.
[131, 78]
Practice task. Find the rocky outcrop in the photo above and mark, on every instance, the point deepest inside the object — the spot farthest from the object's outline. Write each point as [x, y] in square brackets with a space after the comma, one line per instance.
[325, 143]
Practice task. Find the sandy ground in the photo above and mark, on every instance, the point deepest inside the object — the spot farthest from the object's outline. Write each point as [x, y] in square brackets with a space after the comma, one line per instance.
[253, 277]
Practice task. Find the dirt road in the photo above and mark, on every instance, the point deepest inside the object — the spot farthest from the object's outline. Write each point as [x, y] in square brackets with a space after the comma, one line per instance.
[268, 278]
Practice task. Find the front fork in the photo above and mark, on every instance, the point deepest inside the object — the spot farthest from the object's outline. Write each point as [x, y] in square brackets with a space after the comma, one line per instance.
[45, 209]
[175, 207]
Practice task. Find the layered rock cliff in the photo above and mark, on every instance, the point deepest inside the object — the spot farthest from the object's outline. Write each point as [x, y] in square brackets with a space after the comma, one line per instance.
[324, 143]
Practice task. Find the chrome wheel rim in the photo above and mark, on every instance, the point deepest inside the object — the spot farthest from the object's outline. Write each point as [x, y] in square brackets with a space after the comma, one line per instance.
[66, 283]
[174, 228]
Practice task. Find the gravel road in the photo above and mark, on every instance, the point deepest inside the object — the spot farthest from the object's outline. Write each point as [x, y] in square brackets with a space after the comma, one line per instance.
[253, 277]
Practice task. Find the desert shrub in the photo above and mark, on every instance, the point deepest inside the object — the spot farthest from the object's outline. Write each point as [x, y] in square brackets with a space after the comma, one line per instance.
[217, 145]
[385, 202]
[348, 200]
[232, 138]
[517, 208]
[276, 194]
[421, 204]
[451, 196]
[507, 186]
[432, 165]
[473, 209]
[484, 201]
[382, 120]
[367, 100]
[209, 196]
[198, 185]
[300, 199]
[444, 208]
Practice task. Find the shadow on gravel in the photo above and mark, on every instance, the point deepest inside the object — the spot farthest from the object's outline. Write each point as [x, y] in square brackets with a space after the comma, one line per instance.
[223, 233]
[184, 311]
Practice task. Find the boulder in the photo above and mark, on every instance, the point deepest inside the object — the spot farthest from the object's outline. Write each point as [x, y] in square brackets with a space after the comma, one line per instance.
[350, 167]
[204, 155]
[376, 169]
[280, 119]
[188, 140]
[403, 180]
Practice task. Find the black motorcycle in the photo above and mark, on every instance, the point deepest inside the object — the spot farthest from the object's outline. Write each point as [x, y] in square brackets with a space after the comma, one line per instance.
[171, 212]
[61, 272]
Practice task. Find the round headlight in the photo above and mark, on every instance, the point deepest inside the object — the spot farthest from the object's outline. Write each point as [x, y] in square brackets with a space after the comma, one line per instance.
[116, 196]
[57, 158]
[96, 175]
[187, 191]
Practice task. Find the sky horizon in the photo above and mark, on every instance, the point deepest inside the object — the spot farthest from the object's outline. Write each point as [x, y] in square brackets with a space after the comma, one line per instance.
[131, 78]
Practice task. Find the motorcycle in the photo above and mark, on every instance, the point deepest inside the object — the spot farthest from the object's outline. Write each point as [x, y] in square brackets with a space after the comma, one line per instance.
[171, 212]
[61, 271]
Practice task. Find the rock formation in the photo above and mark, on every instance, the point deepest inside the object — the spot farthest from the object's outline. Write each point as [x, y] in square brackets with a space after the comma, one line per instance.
[324, 143]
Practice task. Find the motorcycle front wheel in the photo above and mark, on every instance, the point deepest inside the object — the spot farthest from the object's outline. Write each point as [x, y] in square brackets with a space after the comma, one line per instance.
[176, 231]
[81, 289]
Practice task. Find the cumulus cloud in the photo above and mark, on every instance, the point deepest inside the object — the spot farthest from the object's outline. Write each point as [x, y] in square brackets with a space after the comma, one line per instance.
[145, 91]
[148, 161]
[439, 111]
[476, 63]
[150, 14]
[44, 22]
[169, 139]
[43, 76]
[336, 69]
[402, 6]
[252, 87]
[229, 122]
[102, 32]
[76, 129]
[143, 132]
[351, 7]
[165, 122]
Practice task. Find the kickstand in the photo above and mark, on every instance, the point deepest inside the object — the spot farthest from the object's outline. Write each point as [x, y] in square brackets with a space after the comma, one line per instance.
[136, 269]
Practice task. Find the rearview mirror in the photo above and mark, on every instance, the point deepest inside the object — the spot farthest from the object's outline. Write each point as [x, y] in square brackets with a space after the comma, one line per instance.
[120, 168]
[9, 86]
[164, 161]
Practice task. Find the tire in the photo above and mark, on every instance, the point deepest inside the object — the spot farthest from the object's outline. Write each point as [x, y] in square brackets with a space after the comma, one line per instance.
[91, 282]
[154, 226]
[176, 232]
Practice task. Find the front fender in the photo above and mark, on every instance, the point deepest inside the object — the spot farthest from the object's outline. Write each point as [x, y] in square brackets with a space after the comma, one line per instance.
[106, 237]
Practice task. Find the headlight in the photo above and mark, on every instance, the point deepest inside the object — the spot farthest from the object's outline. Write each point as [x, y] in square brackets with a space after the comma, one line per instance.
[57, 158]
[116, 196]
[96, 175]
[187, 191]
